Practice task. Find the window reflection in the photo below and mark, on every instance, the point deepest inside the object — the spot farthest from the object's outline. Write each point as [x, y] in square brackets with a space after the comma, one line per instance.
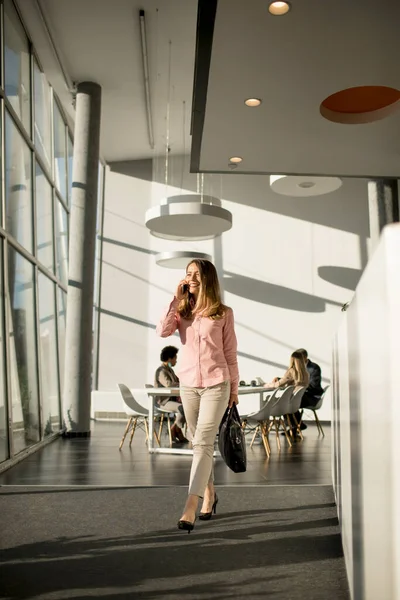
[24, 385]
[44, 220]
[16, 64]
[48, 356]
[18, 184]
[3, 397]
[61, 218]
[60, 159]
[42, 135]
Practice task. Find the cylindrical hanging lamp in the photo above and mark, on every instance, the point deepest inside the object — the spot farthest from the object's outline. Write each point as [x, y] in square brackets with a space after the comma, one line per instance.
[179, 259]
[188, 217]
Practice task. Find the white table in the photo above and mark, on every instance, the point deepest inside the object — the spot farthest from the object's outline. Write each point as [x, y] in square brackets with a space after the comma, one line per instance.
[176, 392]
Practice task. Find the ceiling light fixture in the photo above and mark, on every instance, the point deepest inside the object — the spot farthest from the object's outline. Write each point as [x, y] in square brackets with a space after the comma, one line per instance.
[279, 8]
[235, 160]
[191, 217]
[303, 185]
[178, 259]
[252, 102]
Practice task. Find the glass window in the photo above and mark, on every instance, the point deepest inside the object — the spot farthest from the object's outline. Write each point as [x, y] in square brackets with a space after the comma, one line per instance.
[23, 359]
[44, 220]
[42, 133]
[18, 183]
[61, 217]
[17, 64]
[62, 315]
[60, 159]
[48, 356]
[70, 157]
[3, 398]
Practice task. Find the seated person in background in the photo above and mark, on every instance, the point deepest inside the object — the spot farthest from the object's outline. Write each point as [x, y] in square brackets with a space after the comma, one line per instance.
[314, 390]
[165, 377]
[296, 374]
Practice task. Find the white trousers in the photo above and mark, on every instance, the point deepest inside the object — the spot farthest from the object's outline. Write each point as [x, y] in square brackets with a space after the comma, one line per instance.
[173, 407]
[204, 409]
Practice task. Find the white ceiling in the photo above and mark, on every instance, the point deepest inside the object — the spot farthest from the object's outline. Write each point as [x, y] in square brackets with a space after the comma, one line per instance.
[293, 62]
[99, 41]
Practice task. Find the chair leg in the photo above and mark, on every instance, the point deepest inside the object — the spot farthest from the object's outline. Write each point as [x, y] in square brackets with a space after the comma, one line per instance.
[265, 439]
[278, 441]
[133, 430]
[146, 428]
[254, 436]
[286, 432]
[169, 431]
[155, 433]
[125, 432]
[161, 425]
[318, 423]
[298, 430]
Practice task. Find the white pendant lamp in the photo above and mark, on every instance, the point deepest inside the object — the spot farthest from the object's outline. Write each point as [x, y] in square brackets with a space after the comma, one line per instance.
[188, 217]
[179, 259]
[185, 216]
[304, 185]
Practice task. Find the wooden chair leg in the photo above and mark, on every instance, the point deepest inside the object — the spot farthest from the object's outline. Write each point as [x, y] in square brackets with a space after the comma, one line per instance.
[133, 430]
[265, 439]
[285, 431]
[254, 436]
[318, 423]
[278, 441]
[169, 431]
[161, 425]
[298, 430]
[125, 432]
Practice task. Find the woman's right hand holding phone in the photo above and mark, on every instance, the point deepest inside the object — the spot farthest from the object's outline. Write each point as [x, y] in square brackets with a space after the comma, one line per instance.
[182, 290]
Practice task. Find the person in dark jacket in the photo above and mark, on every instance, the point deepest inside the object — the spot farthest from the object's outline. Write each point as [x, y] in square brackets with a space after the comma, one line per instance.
[314, 391]
[165, 376]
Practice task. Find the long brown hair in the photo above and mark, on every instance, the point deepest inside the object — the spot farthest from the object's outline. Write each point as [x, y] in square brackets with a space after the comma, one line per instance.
[208, 301]
[298, 366]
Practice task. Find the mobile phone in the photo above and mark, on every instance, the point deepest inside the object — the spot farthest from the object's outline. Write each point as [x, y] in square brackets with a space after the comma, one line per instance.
[185, 288]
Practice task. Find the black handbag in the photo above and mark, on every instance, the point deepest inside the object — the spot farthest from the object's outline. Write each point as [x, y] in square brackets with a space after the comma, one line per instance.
[231, 441]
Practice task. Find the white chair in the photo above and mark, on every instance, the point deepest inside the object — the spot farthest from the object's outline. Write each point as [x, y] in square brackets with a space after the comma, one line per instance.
[280, 407]
[138, 415]
[260, 421]
[317, 407]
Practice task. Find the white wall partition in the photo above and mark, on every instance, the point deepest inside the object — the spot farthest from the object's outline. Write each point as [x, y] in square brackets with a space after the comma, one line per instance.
[287, 265]
[366, 458]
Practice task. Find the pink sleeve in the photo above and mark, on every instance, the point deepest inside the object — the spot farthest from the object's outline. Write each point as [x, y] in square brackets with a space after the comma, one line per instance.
[169, 321]
[230, 350]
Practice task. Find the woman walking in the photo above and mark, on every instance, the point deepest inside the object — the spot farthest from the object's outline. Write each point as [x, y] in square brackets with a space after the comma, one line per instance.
[208, 374]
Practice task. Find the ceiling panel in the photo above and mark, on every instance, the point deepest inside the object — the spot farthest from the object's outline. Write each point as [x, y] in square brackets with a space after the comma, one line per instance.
[293, 62]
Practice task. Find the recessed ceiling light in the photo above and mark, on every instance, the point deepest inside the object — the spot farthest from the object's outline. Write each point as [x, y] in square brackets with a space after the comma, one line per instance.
[279, 8]
[306, 184]
[252, 102]
[235, 159]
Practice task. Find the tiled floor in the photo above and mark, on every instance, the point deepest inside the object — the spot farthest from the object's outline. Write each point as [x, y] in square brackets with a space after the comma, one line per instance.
[98, 462]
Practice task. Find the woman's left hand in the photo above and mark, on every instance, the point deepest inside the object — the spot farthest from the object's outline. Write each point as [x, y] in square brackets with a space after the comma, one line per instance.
[234, 399]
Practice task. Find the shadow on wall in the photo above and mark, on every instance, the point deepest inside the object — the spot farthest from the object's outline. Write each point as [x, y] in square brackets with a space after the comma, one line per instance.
[340, 210]
[342, 276]
[274, 295]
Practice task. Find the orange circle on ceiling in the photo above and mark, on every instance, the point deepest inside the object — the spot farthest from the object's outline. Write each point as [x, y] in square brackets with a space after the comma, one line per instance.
[363, 104]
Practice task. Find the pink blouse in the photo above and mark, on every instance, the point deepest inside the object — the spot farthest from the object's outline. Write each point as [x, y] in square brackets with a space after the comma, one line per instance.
[209, 353]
